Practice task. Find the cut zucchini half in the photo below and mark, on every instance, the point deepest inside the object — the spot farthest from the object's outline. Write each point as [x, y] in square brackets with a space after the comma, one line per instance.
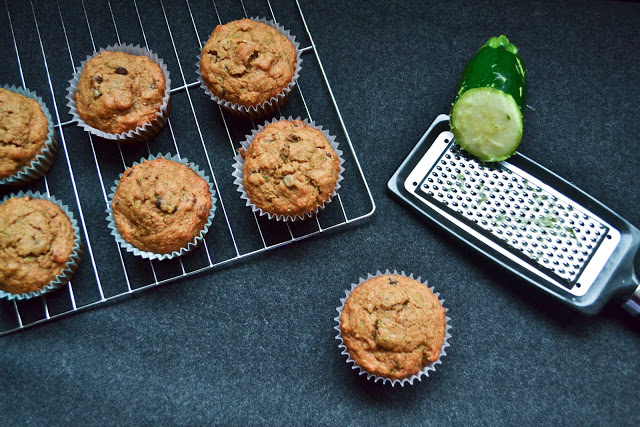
[487, 123]
[486, 118]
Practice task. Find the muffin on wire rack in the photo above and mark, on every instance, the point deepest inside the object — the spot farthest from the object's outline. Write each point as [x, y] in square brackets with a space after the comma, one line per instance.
[288, 169]
[161, 207]
[393, 328]
[39, 245]
[249, 67]
[121, 93]
[27, 143]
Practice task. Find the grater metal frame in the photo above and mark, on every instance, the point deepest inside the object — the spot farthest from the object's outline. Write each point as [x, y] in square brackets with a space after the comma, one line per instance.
[607, 273]
[40, 309]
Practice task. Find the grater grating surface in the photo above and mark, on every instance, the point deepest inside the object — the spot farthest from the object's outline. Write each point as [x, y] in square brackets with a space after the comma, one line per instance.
[525, 218]
[552, 232]
[505, 208]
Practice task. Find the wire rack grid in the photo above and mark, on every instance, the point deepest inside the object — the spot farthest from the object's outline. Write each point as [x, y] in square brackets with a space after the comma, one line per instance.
[49, 39]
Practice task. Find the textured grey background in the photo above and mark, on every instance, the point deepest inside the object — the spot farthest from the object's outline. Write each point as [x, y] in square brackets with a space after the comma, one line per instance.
[254, 342]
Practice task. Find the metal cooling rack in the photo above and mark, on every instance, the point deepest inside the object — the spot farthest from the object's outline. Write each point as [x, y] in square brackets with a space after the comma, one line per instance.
[43, 42]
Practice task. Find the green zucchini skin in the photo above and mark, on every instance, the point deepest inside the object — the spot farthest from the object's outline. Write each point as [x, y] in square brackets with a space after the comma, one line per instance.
[498, 65]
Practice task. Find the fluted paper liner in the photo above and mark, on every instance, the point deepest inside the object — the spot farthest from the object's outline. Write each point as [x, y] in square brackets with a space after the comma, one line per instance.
[141, 133]
[239, 163]
[42, 162]
[74, 259]
[424, 372]
[267, 107]
[192, 244]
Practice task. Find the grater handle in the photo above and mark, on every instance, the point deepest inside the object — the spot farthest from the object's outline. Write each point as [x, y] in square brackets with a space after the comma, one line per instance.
[633, 304]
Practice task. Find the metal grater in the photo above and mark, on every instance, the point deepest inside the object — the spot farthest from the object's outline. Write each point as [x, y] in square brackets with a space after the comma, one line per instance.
[524, 217]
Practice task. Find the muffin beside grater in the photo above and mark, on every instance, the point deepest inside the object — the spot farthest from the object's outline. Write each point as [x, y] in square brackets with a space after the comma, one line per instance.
[524, 217]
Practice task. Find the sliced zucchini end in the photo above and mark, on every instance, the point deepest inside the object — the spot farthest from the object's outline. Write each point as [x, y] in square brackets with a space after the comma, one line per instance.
[487, 123]
[502, 41]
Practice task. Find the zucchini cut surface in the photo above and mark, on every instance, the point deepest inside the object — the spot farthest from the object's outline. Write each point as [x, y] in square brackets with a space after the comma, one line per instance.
[487, 123]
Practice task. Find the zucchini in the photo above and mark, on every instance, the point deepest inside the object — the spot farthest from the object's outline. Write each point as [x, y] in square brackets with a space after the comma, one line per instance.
[486, 117]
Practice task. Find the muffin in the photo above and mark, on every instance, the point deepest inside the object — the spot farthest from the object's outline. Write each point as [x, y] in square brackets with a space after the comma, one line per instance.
[121, 93]
[161, 206]
[290, 169]
[38, 245]
[27, 146]
[393, 326]
[249, 64]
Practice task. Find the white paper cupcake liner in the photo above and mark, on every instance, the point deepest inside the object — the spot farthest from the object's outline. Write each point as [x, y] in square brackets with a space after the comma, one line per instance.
[141, 133]
[408, 380]
[272, 105]
[192, 244]
[239, 164]
[43, 160]
[74, 259]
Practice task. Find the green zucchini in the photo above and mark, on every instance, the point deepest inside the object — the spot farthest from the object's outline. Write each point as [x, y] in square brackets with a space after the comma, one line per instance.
[486, 117]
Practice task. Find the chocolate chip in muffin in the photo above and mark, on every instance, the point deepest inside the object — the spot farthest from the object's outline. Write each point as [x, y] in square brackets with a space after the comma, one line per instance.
[284, 152]
[122, 71]
[293, 137]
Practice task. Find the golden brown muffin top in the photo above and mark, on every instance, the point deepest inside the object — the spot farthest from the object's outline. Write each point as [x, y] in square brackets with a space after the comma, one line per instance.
[247, 62]
[23, 131]
[289, 168]
[160, 205]
[36, 240]
[118, 92]
[393, 326]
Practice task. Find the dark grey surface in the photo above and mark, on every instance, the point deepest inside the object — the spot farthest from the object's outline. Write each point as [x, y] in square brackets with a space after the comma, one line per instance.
[254, 342]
